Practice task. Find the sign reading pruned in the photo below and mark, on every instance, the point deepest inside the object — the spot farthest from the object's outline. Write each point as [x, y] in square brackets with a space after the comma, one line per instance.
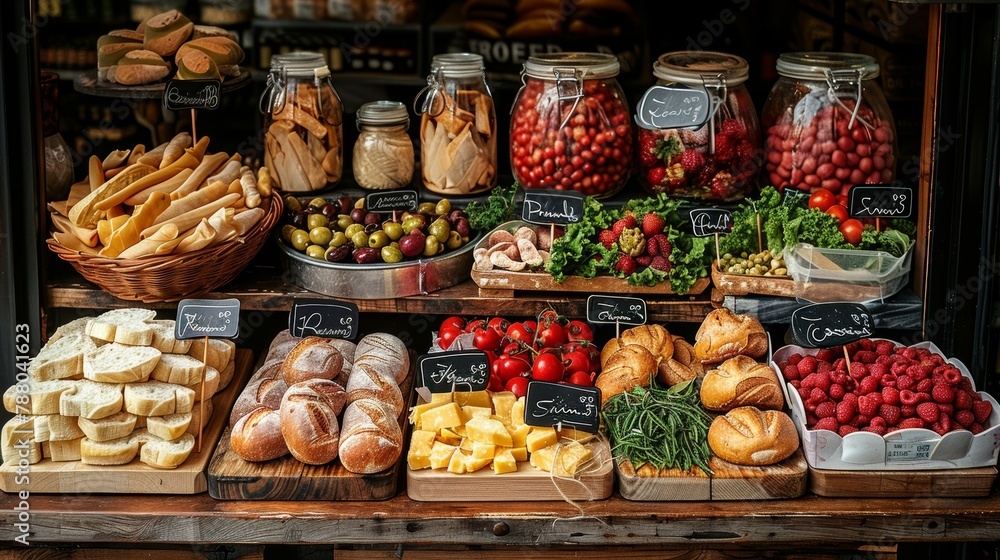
[552, 207]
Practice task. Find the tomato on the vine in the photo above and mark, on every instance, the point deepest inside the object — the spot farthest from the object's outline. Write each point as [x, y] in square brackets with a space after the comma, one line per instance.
[837, 211]
[552, 335]
[547, 367]
[581, 378]
[521, 331]
[518, 386]
[578, 330]
[487, 339]
[447, 335]
[453, 321]
[575, 361]
[471, 326]
[509, 367]
[851, 229]
[498, 323]
[822, 199]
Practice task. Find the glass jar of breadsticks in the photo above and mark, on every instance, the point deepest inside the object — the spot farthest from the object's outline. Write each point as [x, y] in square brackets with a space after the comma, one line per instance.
[303, 123]
[458, 145]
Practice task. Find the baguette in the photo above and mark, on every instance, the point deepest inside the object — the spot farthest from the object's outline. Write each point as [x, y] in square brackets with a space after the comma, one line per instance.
[209, 164]
[154, 156]
[191, 218]
[56, 427]
[61, 358]
[164, 33]
[175, 148]
[265, 183]
[63, 450]
[167, 187]
[119, 451]
[251, 195]
[43, 397]
[86, 214]
[137, 152]
[244, 221]
[76, 194]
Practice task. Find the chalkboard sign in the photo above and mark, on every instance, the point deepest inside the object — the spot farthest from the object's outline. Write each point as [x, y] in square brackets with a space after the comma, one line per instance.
[214, 318]
[192, 94]
[392, 201]
[464, 370]
[676, 106]
[709, 221]
[880, 201]
[794, 195]
[552, 207]
[616, 309]
[326, 318]
[831, 324]
[555, 404]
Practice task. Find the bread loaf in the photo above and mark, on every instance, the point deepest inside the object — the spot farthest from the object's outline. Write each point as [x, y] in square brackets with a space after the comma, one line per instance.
[220, 351]
[138, 67]
[178, 368]
[281, 341]
[163, 454]
[370, 439]
[750, 436]
[43, 397]
[163, 338]
[108, 428]
[683, 366]
[741, 381]
[56, 427]
[348, 350]
[257, 436]
[387, 350]
[17, 441]
[91, 399]
[367, 382]
[262, 392]
[724, 334]
[118, 363]
[653, 338]
[125, 326]
[309, 423]
[312, 358]
[119, 451]
[196, 65]
[165, 33]
[62, 358]
[155, 398]
[63, 450]
[628, 367]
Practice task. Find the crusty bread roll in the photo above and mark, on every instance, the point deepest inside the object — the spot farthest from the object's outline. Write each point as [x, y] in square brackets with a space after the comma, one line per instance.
[367, 381]
[347, 349]
[741, 381]
[750, 436]
[627, 368]
[370, 439]
[281, 340]
[682, 366]
[263, 392]
[138, 67]
[257, 436]
[724, 334]
[309, 420]
[165, 33]
[312, 358]
[654, 338]
[382, 348]
[196, 65]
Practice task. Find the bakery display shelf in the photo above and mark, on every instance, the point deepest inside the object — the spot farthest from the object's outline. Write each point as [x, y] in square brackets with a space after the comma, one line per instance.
[329, 25]
[902, 311]
[88, 83]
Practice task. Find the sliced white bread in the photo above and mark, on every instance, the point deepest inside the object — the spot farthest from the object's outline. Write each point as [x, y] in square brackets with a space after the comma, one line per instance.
[61, 359]
[163, 454]
[163, 338]
[110, 427]
[72, 327]
[119, 451]
[124, 326]
[17, 440]
[56, 427]
[197, 420]
[220, 351]
[178, 368]
[226, 375]
[42, 397]
[91, 399]
[120, 363]
[211, 385]
[171, 426]
[68, 450]
[155, 398]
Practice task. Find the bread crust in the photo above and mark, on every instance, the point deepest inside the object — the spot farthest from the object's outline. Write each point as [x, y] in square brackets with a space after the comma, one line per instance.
[312, 358]
[257, 436]
[741, 381]
[627, 368]
[308, 414]
[724, 334]
[754, 437]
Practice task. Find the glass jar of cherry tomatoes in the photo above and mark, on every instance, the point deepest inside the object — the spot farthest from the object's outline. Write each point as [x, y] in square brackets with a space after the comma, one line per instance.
[570, 125]
[827, 124]
[715, 160]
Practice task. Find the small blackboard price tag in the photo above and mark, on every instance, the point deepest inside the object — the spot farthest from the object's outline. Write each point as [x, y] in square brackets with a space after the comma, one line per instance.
[880, 201]
[464, 370]
[567, 406]
[616, 309]
[214, 318]
[192, 94]
[709, 221]
[392, 201]
[831, 324]
[794, 195]
[675, 106]
[325, 318]
[552, 207]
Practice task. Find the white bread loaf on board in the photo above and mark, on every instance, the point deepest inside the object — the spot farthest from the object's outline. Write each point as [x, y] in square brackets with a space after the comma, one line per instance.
[120, 363]
[370, 439]
[257, 436]
[91, 399]
[61, 359]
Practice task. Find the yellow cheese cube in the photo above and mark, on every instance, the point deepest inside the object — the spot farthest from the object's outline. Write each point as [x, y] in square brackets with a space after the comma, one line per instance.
[469, 412]
[519, 435]
[473, 464]
[466, 445]
[517, 412]
[519, 453]
[472, 398]
[441, 454]
[448, 436]
[441, 398]
[569, 456]
[483, 450]
[543, 458]
[504, 462]
[457, 463]
[487, 430]
[419, 455]
[447, 415]
[460, 430]
[575, 435]
[540, 437]
[417, 411]
[503, 401]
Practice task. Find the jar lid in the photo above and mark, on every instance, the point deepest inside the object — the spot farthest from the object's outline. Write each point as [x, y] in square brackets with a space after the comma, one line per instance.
[300, 64]
[816, 65]
[383, 112]
[590, 65]
[458, 65]
[692, 67]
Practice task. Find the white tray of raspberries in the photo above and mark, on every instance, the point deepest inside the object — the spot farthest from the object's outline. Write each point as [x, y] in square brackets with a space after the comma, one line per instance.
[894, 408]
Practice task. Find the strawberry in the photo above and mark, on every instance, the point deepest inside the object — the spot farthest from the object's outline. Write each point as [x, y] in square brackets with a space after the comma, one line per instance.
[661, 263]
[647, 148]
[790, 372]
[942, 393]
[733, 128]
[868, 405]
[845, 429]
[607, 237]
[643, 260]
[652, 224]
[964, 418]
[826, 409]
[836, 391]
[807, 365]
[890, 395]
[828, 423]
[928, 412]
[890, 413]
[912, 422]
[868, 385]
[963, 400]
[628, 222]
[655, 175]
[692, 161]
[982, 410]
[625, 264]
[976, 428]
[845, 411]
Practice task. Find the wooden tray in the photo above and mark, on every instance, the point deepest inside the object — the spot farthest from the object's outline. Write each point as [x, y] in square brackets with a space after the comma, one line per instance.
[230, 477]
[947, 483]
[527, 484]
[136, 477]
[88, 83]
[742, 284]
[786, 479]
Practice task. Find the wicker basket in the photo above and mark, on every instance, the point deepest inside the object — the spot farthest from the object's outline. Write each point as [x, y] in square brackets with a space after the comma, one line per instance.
[174, 277]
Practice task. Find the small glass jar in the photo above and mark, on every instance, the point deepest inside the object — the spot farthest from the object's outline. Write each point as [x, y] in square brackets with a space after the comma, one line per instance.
[570, 125]
[458, 140]
[827, 124]
[383, 153]
[718, 160]
[303, 123]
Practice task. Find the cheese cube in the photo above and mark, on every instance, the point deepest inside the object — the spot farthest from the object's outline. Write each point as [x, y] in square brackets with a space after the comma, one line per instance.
[460, 430]
[457, 463]
[543, 458]
[503, 462]
[466, 445]
[469, 412]
[447, 415]
[517, 412]
[441, 454]
[419, 455]
[473, 464]
[569, 456]
[540, 437]
[449, 437]
[503, 401]
[575, 435]
[472, 398]
[483, 450]
[417, 411]
[519, 435]
[441, 398]
[519, 453]
[487, 430]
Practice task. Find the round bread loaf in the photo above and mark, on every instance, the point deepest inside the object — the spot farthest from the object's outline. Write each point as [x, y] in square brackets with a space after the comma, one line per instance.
[309, 424]
[312, 358]
[750, 436]
[368, 381]
[654, 338]
[282, 340]
[261, 392]
[384, 349]
[371, 439]
[682, 366]
[741, 381]
[724, 334]
[347, 350]
[257, 436]
[627, 368]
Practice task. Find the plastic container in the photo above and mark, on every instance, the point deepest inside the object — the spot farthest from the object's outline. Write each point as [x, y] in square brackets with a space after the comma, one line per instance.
[717, 160]
[458, 144]
[303, 128]
[383, 153]
[571, 126]
[823, 275]
[827, 124]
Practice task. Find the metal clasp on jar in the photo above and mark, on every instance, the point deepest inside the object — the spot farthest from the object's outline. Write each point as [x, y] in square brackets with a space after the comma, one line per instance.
[838, 80]
[274, 93]
[718, 90]
[569, 87]
[433, 91]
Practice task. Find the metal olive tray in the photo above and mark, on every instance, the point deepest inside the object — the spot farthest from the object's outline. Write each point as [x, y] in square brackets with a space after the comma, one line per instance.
[378, 280]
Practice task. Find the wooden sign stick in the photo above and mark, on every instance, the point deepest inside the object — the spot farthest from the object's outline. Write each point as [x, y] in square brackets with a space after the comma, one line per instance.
[847, 357]
[194, 126]
[718, 254]
[204, 368]
[617, 329]
[760, 237]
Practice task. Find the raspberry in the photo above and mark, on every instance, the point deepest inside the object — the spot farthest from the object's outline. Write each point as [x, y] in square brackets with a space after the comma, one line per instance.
[658, 244]
[790, 372]
[840, 377]
[823, 367]
[878, 370]
[928, 412]
[909, 353]
[625, 264]
[840, 364]
[942, 426]
[851, 398]
[866, 344]
[647, 149]
[890, 413]
[643, 260]
[722, 183]
[661, 263]
[976, 428]
[904, 382]
[845, 411]
[828, 423]
[963, 399]
[652, 224]
[952, 376]
[794, 359]
[795, 383]
[890, 395]
[861, 421]
[826, 409]
[922, 397]
[884, 361]
[897, 369]
[745, 151]
[942, 393]
[917, 373]
[606, 237]
[826, 355]
[858, 370]
[982, 410]
[692, 161]
[908, 410]
[965, 384]
[836, 391]
[964, 418]
[817, 395]
[924, 386]
[844, 430]
[884, 347]
[819, 380]
[868, 385]
[880, 430]
[910, 423]
[864, 356]
[867, 405]
[946, 408]
[878, 421]
[888, 380]
[803, 392]
[725, 148]
[806, 366]
[908, 397]
[732, 127]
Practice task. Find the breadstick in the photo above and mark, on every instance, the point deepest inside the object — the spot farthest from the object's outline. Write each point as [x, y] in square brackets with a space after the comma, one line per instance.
[96, 173]
[169, 186]
[85, 213]
[69, 241]
[137, 152]
[116, 158]
[186, 161]
[191, 218]
[244, 221]
[229, 173]
[192, 201]
[265, 184]
[160, 243]
[209, 164]
[175, 148]
[251, 196]
[87, 236]
[196, 238]
[154, 156]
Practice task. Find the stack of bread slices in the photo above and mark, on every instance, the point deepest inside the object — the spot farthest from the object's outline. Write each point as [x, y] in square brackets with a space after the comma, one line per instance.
[106, 389]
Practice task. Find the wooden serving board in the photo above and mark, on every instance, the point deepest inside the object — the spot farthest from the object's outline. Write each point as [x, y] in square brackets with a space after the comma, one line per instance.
[786, 479]
[74, 477]
[741, 284]
[505, 284]
[947, 483]
[230, 477]
[527, 484]
[88, 83]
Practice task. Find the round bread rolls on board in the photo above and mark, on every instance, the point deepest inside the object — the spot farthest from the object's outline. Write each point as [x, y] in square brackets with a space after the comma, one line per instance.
[312, 358]
[308, 415]
[371, 440]
[257, 435]
[643, 352]
[741, 381]
[750, 436]
[724, 334]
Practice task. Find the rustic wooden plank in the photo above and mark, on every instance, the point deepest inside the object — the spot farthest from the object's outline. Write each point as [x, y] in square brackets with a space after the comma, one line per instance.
[632, 553]
[243, 552]
[958, 483]
[742, 284]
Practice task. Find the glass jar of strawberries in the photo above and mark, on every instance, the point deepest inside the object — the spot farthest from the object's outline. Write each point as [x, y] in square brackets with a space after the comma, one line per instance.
[718, 157]
[827, 124]
[570, 125]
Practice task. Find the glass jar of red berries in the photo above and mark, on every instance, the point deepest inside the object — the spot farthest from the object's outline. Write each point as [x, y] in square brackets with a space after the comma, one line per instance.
[570, 125]
[698, 131]
[827, 124]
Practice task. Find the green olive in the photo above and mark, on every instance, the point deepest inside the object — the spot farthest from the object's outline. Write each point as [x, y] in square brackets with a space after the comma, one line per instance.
[320, 235]
[338, 239]
[316, 220]
[353, 229]
[360, 239]
[316, 252]
[359, 203]
[454, 240]
[286, 232]
[300, 239]
[410, 223]
[378, 239]
[391, 254]
[292, 203]
[442, 207]
[439, 228]
[426, 208]
[393, 230]
[343, 221]
[431, 246]
[318, 202]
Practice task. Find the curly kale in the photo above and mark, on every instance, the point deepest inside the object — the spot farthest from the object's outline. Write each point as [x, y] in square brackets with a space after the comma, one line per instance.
[691, 259]
[486, 216]
[743, 236]
[892, 241]
[817, 228]
[574, 253]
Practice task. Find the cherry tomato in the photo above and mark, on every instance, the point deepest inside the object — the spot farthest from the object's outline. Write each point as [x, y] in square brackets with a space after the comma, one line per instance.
[576, 361]
[495, 384]
[838, 211]
[842, 200]
[548, 316]
[499, 323]
[487, 340]
[581, 378]
[518, 386]
[509, 367]
[521, 331]
[471, 326]
[851, 229]
[822, 199]
[547, 367]
[447, 335]
[551, 336]
[578, 330]
[453, 321]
